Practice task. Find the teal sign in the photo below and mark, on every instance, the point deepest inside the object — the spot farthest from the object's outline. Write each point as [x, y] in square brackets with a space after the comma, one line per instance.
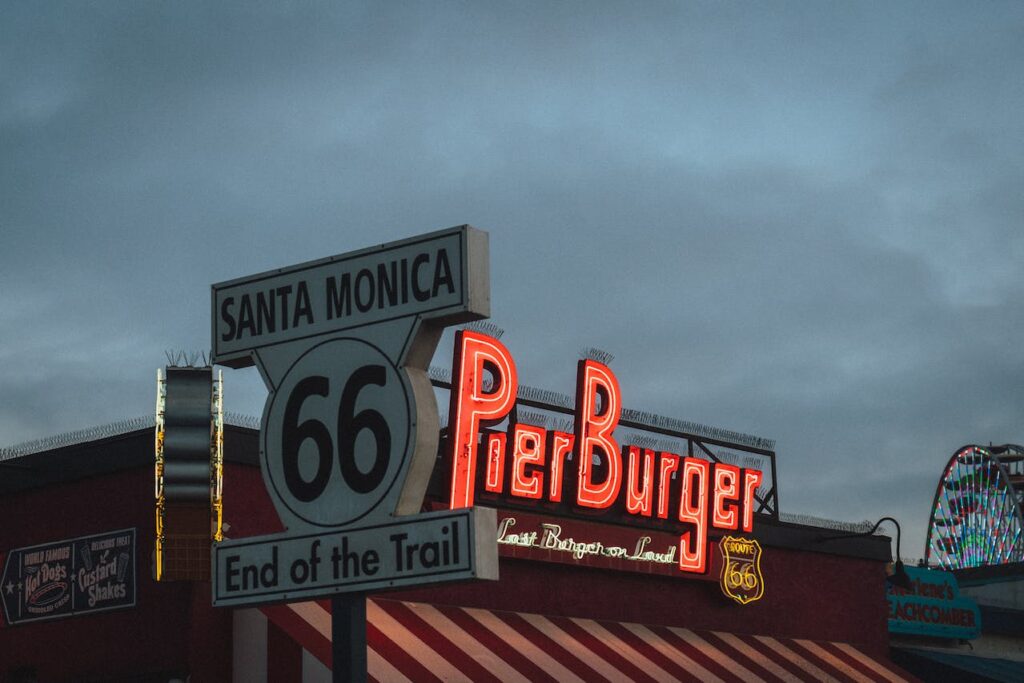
[932, 606]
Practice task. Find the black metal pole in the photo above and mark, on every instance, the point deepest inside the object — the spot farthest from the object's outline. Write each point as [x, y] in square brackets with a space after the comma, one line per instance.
[348, 638]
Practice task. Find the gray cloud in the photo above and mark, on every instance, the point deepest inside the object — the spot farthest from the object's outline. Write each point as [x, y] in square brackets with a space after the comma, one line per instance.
[800, 222]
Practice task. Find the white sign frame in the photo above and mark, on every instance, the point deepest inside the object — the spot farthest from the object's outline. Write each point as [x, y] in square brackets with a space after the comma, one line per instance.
[471, 554]
[350, 428]
[406, 337]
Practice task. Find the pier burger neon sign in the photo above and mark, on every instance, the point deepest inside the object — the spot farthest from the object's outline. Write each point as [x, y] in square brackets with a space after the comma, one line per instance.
[557, 470]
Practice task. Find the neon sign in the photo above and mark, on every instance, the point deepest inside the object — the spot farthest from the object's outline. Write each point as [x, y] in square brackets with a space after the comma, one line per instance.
[585, 473]
[741, 577]
[555, 538]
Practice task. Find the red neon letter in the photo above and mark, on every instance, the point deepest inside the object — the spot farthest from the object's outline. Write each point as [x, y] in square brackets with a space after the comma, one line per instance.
[527, 449]
[668, 463]
[640, 488]
[495, 479]
[727, 488]
[594, 432]
[471, 407]
[751, 480]
[560, 445]
[693, 508]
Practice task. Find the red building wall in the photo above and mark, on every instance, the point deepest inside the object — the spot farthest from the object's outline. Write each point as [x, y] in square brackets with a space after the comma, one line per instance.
[173, 629]
[807, 595]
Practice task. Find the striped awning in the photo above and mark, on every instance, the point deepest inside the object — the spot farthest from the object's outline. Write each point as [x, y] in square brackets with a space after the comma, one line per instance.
[421, 642]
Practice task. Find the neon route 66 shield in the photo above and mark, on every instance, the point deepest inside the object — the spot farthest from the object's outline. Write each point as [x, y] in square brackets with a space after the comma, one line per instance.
[741, 577]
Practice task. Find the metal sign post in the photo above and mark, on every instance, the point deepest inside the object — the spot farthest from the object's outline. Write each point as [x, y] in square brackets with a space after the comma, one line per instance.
[350, 428]
[348, 638]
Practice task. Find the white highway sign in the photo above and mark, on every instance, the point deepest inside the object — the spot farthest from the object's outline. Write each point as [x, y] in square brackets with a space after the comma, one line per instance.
[340, 421]
[429, 548]
[350, 427]
[349, 431]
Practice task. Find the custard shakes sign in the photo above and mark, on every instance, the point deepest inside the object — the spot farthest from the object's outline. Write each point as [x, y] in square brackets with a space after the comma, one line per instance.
[584, 473]
[70, 577]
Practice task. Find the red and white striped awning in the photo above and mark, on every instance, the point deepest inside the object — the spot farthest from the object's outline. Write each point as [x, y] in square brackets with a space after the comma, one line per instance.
[421, 642]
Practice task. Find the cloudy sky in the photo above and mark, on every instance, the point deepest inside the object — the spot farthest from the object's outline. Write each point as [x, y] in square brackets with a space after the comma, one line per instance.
[802, 221]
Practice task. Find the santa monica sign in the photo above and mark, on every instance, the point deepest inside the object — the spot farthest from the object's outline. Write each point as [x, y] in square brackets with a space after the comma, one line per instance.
[350, 427]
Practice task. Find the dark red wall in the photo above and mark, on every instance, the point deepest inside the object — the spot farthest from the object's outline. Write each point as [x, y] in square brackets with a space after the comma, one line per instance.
[814, 596]
[149, 638]
[808, 595]
[173, 628]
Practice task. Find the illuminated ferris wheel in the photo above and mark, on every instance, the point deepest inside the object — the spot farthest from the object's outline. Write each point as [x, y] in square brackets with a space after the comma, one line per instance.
[976, 517]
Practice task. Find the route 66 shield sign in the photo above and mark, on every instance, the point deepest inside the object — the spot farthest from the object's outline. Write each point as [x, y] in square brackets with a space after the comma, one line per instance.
[741, 577]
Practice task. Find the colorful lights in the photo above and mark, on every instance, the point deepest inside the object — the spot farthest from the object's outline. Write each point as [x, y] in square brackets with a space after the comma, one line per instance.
[188, 472]
[976, 517]
[161, 401]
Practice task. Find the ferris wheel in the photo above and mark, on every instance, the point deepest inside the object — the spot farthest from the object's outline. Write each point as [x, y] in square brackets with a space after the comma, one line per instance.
[976, 517]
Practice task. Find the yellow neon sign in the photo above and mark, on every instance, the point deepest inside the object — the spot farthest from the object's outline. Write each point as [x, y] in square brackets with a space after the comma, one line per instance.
[741, 578]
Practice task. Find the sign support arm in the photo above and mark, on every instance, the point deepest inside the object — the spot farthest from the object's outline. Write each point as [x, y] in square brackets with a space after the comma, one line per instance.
[348, 641]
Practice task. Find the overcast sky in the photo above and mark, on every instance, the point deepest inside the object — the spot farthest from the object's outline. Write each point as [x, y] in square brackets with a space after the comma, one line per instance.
[803, 221]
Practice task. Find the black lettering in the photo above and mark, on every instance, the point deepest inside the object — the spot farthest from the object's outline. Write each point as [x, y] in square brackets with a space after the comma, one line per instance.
[314, 560]
[420, 294]
[364, 303]
[302, 306]
[455, 542]
[250, 573]
[245, 318]
[405, 281]
[282, 294]
[265, 312]
[345, 562]
[268, 575]
[443, 273]
[299, 571]
[225, 315]
[410, 552]
[339, 299]
[429, 555]
[371, 562]
[387, 285]
[233, 572]
[398, 540]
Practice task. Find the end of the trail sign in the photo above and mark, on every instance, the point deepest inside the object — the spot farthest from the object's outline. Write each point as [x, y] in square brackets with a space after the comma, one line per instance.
[411, 551]
[349, 432]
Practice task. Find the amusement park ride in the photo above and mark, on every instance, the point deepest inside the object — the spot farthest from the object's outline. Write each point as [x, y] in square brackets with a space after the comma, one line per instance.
[976, 517]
